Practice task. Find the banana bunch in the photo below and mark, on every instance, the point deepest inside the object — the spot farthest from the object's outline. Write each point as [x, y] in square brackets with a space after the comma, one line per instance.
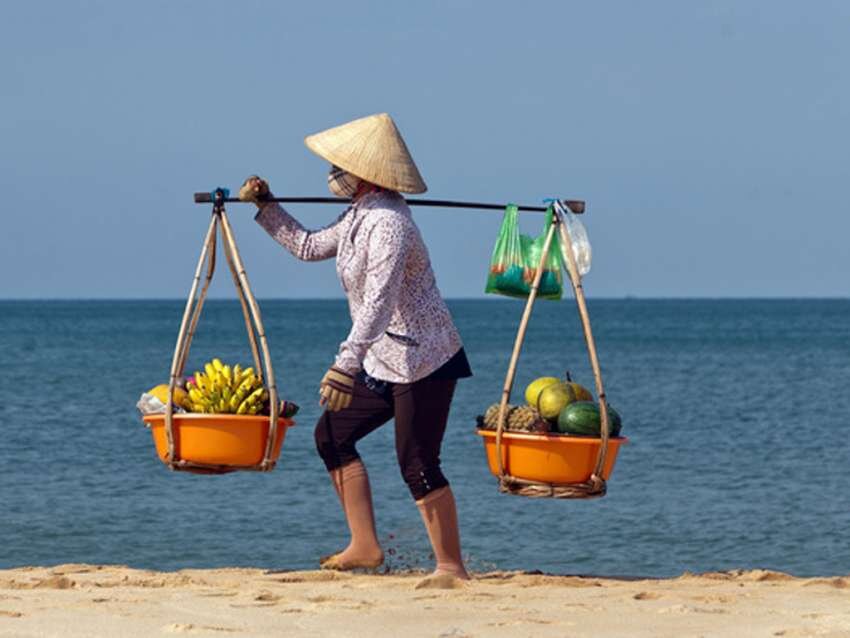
[221, 389]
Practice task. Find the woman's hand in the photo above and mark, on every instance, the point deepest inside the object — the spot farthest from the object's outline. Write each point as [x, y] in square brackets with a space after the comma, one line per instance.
[254, 189]
[336, 389]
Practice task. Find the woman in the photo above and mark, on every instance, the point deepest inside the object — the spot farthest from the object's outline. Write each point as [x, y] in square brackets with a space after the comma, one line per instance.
[403, 355]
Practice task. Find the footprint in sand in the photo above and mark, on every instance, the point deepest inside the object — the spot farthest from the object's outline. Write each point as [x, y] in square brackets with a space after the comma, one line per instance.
[182, 628]
[837, 582]
[10, 614]
[312, 577]
[688, 609]
[74, 568]
[646, 595]
[267, 597]
[441, 581]
[715, 598]
[55, 582]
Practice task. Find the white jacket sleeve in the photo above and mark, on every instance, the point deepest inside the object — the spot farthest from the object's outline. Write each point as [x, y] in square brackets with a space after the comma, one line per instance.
[388, 245]
[306, 245]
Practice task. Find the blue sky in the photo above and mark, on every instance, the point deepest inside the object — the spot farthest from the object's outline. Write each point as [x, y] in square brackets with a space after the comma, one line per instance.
[710, 139]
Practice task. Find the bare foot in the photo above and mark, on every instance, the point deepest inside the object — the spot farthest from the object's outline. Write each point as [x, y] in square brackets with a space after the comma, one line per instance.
[351, 559]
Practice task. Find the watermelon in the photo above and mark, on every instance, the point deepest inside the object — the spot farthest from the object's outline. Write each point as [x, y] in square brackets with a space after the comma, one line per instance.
[583, 417]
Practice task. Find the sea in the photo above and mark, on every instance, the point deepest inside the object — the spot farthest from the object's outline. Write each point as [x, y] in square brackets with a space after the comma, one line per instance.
[737, 414]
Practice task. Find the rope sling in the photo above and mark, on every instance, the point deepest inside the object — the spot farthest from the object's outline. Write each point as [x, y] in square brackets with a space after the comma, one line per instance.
[595, 486]
[253, 325]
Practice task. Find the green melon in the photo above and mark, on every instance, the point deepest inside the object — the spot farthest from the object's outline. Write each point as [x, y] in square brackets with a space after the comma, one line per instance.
[583, 417]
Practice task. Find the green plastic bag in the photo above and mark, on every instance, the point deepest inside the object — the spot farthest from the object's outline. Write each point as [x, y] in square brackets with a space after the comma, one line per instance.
[516, 258]
[552, 280]
[508, 261]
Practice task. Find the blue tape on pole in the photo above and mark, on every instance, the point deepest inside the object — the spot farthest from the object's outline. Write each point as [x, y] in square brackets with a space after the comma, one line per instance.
[225, 192]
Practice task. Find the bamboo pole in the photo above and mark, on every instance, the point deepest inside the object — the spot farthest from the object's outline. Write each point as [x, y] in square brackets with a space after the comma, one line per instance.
[209, 241]
[249, 325]
[199, 305]
[520, 337]
[578, 289]
[258, 321]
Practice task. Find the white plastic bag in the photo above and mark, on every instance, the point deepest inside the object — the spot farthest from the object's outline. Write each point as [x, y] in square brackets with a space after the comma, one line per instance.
[581, 242]
[149, 404]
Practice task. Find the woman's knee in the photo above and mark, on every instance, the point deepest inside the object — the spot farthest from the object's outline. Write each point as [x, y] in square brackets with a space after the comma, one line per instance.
[333, 453]
[421, 480]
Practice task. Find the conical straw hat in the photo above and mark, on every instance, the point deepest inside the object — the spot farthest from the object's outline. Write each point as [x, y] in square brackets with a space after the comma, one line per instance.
[372, 149]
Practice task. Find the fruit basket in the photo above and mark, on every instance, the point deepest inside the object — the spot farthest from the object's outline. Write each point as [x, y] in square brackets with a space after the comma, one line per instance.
[235, 419]
[225, 441]
[549, 458]
[537, 463]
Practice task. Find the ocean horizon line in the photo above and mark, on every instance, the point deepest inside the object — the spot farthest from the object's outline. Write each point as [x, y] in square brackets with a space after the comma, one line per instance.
[488, 298]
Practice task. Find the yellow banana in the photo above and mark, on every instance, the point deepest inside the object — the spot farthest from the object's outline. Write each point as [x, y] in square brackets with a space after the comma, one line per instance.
[213, 397]
[246, 404]
[245, 387]
[199, 406]
[195, 394]
[237, 372]
[237, 398]
[210, 370]
[227, 374]
[246, 373]
[217, 364]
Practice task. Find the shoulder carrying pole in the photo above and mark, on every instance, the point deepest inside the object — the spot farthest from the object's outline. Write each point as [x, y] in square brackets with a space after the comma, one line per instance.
[575, 205]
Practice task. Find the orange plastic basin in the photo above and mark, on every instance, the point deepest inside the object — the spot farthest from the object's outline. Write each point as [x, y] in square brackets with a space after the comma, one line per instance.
[549, 458]
[218, 439]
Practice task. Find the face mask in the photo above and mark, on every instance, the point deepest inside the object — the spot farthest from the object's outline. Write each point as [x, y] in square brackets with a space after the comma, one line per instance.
[341, 183]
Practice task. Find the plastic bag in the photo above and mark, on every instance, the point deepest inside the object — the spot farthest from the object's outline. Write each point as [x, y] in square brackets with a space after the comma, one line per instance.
[507, 264]
[581, 242]
[516, 257]
[149, 404]
[551, 282]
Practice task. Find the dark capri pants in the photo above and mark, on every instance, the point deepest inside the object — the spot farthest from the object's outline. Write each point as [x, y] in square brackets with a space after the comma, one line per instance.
[421, 412]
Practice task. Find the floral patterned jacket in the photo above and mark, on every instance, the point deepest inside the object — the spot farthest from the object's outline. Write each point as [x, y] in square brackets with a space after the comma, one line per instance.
[401, 328]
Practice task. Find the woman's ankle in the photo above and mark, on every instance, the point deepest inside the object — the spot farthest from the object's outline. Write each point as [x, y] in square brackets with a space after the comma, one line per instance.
[458, 571]
[368, 552]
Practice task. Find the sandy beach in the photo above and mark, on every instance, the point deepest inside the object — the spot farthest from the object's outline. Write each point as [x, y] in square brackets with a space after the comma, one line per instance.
[90, 600]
